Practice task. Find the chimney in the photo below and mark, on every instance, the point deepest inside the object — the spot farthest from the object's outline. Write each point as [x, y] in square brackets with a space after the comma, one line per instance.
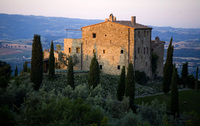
[114, 19]
[111, 17]
[133, 20]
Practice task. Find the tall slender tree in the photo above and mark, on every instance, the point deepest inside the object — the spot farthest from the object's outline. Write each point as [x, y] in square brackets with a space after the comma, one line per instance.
[25, 68]
[51, 62]
[168, 68]
[121, 85]
[184, 74]
[37, 62]
[94, 74]
[70, 73]
[196, 83]
[130, 85]
[16, 71]
[174, 94]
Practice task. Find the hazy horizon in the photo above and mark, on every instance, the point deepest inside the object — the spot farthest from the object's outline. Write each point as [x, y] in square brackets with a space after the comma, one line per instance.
[178, 14]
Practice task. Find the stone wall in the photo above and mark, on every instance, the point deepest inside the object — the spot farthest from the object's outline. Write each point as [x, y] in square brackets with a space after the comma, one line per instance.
[111, 43]
[143, 51]
[73, 47]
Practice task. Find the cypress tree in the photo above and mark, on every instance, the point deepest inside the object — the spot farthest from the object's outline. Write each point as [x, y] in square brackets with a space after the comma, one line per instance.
[168, 68]
[70, 73]
[121, 85]
[94, 74]
[16, 71]
[51, 62]
[37, 62]
[196, 83]
[184, 74]
[130, 85]
[174, 93]
[25, 68]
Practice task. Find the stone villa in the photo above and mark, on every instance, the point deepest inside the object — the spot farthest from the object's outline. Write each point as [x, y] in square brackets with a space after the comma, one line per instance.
[116, 43]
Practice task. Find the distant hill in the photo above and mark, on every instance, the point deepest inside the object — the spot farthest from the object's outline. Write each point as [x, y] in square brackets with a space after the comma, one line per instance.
[53, 28]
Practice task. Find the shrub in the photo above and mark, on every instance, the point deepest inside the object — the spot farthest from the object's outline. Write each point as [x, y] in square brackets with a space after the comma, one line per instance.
[141, 77]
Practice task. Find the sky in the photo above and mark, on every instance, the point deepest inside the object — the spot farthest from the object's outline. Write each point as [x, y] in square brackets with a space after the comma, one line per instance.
[174, 13]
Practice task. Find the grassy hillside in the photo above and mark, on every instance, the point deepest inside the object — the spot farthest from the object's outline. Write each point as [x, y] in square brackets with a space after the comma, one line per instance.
[189, 100]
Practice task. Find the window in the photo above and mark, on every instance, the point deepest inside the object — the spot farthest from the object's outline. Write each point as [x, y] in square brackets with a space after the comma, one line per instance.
[118, 67]
[100, 67]
[94, 51]
[105, 35]
[110, 41]
[70, 50]
[144, 50]
[144, 33]
[122, 51]
[147, 33]
[78, 50]
[104, 51]
[147, 50]
[138, 33]
[138, 50]
[94, 35]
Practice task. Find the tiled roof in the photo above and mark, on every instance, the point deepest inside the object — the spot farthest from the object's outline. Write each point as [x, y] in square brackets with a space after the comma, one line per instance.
[130, 24]
[156, 44]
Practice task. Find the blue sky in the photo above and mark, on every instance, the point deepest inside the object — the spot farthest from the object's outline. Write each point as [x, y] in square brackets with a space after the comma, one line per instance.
[175, 13]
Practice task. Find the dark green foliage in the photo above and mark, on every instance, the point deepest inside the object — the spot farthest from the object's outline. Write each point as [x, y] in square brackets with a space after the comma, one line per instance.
[94, 74]
[16, 71]
[121, 85]
[61, 111]
[6, 116]
[168, 69]
[64, 59]
[154, 59]
[174, 93]
[191, 81]
[5, 72]
[37, 62]
[25, 68]
[70, 73]
[51, 62]
[197, 73]
[184, 74]
[130, 85]
[141, 77]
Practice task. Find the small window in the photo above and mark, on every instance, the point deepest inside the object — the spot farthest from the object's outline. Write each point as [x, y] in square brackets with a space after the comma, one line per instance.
[122, 51]
[104, 51]
[138, 33]
[144, 33]
[144, 50]
[138, 50]
[147, 33]
[94, 51]
[105, 35]
[78, 50]
[147, 50]
[94, 35]
[110, 41]
[70, 50]
[118, 67]
[100, 67]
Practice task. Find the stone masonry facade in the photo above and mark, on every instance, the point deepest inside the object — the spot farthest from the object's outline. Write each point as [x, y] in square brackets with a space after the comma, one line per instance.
[116, 44]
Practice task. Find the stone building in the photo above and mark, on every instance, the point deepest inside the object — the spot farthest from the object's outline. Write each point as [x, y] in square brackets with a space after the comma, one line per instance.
[116, 43]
